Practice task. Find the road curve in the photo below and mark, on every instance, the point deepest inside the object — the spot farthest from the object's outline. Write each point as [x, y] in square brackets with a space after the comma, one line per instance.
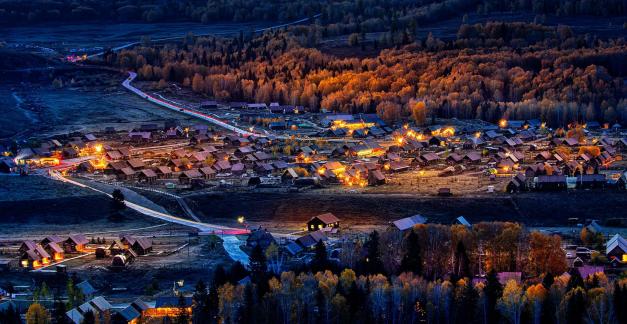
[196, 114]
[214, 120]
[228, 234]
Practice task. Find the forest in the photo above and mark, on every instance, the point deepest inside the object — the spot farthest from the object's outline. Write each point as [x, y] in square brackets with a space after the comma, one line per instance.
[423, 275]
[492, 272]
[364, 15]
[491, 71]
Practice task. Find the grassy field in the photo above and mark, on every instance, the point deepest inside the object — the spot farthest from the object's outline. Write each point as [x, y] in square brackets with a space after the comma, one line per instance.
[293, 210]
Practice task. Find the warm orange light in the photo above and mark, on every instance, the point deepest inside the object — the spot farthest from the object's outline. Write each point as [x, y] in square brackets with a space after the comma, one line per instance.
[400, 140]
[98, 148]
[477, 134]
[503, 123]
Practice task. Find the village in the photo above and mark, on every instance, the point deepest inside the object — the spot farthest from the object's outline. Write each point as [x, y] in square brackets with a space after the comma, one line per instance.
[356, 153]
[290, 150]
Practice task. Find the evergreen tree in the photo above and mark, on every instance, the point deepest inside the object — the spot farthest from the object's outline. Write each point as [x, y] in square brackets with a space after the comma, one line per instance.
[320, 259]
[118, 199]
[258, 264]
[10, 315]
[237, 272]
[220, 277]
[575, 306]
[183, 316]
[547, 315]
[201, 311]
[58, 312]
[493, 291]
[89, 318]
[466, 306]
[412, 260]
[462, 262]
[548, 280]
[372, 263]
[620, 300]
[248, 308]
[574, 281]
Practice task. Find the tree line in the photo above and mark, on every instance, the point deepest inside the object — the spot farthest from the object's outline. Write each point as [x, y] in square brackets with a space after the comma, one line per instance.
[340, 15]
[486, 73]
[367, 290]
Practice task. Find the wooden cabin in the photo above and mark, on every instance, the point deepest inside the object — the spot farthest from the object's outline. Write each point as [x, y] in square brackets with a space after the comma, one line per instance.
[75, 243]
[323, 221]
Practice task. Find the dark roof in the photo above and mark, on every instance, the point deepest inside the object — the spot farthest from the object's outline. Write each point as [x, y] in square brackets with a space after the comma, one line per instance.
[143, 242]
[311, 239]
[172, 301]
[408, 222]
[129, 313]
[78, 239]
[86, 288]
[326, 218]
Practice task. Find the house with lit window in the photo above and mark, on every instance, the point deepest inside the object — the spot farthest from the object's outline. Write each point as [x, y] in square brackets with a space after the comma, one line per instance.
[75, 243]
[616, 248]
[168, 307]
[319, 222]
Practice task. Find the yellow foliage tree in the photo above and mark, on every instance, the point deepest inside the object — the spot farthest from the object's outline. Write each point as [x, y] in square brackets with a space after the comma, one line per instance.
[37, 314]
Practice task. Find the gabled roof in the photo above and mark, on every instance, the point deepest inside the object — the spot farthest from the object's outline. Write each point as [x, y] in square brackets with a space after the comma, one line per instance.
[42, 252]
[54, 247]
[129, 313]
[143, 242]
[409, 222]
[86, 288]
[148, 173]
[75, 316]
[172, 301]
[192, 174]
[78, 239]
[52, 238]
[311, 239]
[326, 218]
[29, 245]
[293, 248]
[462, 220]
[614, 242]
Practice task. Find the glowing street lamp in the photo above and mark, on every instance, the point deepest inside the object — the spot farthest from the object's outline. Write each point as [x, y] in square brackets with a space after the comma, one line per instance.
[98, 148]
[503, 123]
[240, 219]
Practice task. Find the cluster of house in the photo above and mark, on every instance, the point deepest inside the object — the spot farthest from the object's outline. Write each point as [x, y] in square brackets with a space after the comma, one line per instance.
[138, 311]
[51, 249]
[526, 151]
[125, 249]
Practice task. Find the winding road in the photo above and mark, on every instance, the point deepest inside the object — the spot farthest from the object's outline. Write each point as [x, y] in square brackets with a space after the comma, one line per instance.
[228, 234]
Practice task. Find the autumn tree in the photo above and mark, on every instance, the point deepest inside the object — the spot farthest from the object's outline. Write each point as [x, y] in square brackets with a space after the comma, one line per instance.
[418, 111]
[37, 314]
[546, 254]
[389, 111]
[512, 302]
